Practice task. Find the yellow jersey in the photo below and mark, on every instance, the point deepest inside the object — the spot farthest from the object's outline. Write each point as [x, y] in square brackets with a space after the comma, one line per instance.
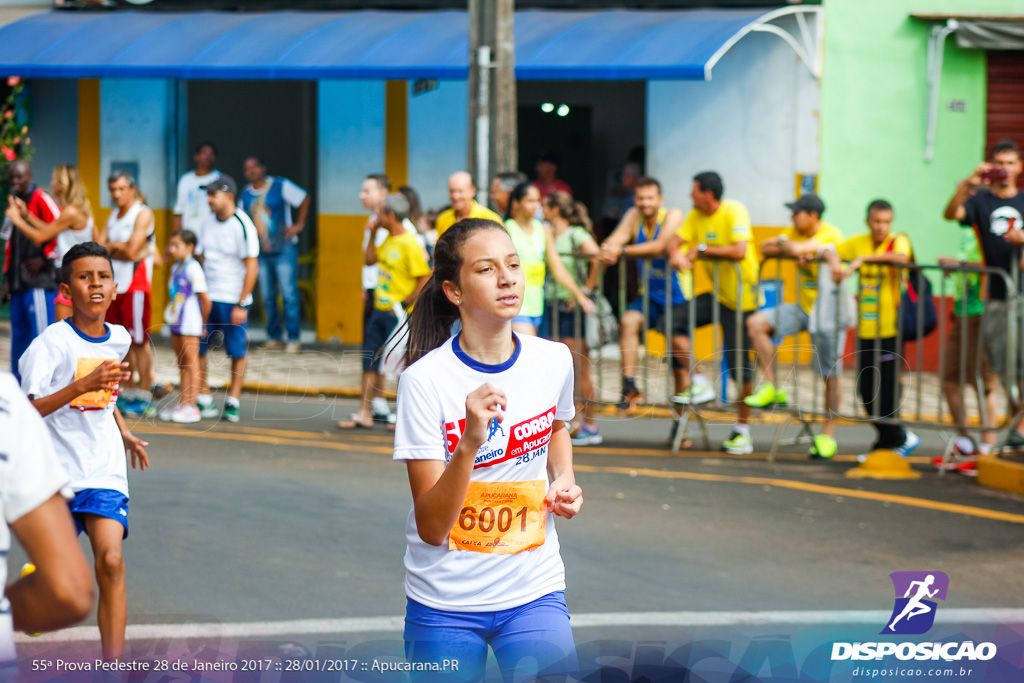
[826, 234]
[446, 218]
[880, 285]
[401, 266]
[726, 226]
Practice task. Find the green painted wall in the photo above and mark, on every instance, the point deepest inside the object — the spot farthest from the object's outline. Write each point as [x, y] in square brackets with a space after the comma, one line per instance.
[874, 116]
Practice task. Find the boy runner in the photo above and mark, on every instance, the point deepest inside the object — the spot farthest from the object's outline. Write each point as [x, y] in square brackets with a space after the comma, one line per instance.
[71, 373]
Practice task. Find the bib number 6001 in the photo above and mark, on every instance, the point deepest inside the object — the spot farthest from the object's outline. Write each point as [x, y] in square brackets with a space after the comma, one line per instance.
[489, 518]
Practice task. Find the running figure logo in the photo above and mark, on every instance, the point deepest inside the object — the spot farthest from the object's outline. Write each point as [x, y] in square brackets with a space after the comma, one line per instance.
[494, 429]
[913, 613]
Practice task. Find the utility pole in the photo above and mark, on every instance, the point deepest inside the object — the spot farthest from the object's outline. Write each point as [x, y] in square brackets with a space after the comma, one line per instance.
[493, 144]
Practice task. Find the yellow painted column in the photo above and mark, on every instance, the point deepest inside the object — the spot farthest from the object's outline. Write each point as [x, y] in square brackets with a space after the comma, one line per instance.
[396, 132]
[89, 144]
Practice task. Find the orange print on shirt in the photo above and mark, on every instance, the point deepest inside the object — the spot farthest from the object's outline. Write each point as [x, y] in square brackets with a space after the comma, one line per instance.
[93, 400]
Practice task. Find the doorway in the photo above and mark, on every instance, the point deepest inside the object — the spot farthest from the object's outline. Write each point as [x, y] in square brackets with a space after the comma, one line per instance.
[274, 120]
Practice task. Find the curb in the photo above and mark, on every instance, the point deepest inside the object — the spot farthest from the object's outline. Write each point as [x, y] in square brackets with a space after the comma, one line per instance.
[997, 473]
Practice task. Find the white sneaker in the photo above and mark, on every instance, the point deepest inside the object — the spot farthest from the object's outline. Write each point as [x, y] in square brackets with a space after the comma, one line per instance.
[695, 395]
[209, 410]
[908, 447]
[292, 347]
[180, 414]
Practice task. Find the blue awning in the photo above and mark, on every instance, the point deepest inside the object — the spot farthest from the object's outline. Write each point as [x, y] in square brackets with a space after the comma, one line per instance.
[550, 45]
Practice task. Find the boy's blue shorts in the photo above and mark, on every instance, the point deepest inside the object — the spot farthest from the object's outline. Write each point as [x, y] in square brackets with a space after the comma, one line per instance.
[102, 503]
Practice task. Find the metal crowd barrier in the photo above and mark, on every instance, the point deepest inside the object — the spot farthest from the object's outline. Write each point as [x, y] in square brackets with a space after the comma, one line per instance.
[799, 410]
[805, 414]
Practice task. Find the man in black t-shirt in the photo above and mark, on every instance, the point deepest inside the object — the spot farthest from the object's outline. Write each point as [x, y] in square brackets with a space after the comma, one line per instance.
[988, 201]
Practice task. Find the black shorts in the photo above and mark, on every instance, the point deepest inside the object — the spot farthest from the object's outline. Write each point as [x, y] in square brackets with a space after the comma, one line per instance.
[704, 315]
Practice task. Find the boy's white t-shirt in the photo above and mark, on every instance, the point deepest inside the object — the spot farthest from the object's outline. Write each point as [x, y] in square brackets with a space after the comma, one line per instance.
[84, 432]
[29, 476]
[538, 383]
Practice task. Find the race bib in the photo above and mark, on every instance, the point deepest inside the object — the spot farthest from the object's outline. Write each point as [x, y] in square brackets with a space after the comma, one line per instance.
[503, 517]
[94, 400]
[534, 274]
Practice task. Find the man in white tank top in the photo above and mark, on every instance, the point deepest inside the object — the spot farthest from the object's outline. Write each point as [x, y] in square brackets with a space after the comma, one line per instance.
[129, 237]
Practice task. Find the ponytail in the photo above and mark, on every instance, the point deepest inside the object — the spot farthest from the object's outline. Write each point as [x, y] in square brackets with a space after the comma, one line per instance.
[431, 320]
[575, 213]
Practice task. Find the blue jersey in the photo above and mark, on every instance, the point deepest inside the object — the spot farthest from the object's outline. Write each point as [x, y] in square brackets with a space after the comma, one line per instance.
[654, 272]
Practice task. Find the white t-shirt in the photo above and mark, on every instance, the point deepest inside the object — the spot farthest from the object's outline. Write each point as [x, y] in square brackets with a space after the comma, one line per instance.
[69, 238]
[192, 204]
[131, 276]
[85, 434]
[372, 273]
[29, 476]
[187, 280]
[292, 194]
[224, 247]
[538, 381]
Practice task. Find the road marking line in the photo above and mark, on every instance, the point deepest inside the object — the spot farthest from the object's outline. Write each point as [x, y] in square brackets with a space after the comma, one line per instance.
[813, 488]
[271, 440]
[326, 437]
[256, 629]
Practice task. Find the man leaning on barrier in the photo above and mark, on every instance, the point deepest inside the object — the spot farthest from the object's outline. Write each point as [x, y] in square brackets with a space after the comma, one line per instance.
[717, 232]
[873, 256]
[645, 231]
[805, 240]
[988, 200]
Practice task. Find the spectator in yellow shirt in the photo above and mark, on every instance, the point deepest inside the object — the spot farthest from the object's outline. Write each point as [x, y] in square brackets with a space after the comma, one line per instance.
[806, 239]
[461, 191]
[717, 232]
[403, 272]
[873, 256]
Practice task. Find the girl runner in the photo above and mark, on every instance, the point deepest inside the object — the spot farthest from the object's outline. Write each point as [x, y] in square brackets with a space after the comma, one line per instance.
[186, 314]
[73, 226]
[537, 252]
[481, 428]
[571, 235]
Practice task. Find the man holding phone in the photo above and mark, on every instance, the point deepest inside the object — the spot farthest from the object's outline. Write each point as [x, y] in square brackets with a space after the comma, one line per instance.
[988, 201]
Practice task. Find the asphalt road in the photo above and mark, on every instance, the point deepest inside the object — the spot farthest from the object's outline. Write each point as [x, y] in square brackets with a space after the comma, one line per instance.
[281, 519]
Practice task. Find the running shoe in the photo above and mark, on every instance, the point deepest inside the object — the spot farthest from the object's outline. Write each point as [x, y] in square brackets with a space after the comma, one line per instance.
[695, 394]
[132, 407]
[159, 390]
[630, 397]
[273, 345]
[230, 412]
[181, 414]
[824, 446]
[908, 447]
[1014, 442]
[738, 444]
[587, 436]
[292, 347]
[148, 409]
[208, 410]
[385, 418]
[765, 396]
